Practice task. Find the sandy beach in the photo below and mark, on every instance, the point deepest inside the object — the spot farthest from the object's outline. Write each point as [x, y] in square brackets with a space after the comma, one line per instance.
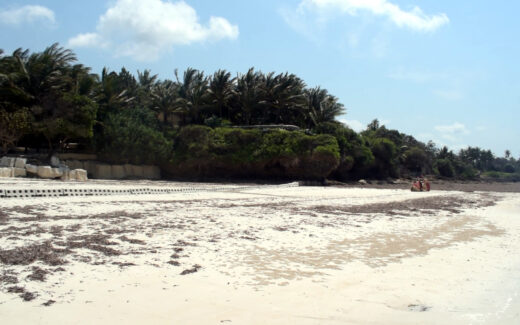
[260, 254]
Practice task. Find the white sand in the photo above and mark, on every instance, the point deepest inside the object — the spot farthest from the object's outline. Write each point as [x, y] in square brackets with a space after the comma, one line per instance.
[269, 255]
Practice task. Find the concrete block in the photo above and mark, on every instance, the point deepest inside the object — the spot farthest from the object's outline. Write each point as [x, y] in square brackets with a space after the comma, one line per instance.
[118, 172]
[151, 172]
[102, 171]
[20, 162]
[137, 171]
[81, 175]
[89, 166]
[128, 170]
[19, 172]
[6, 172]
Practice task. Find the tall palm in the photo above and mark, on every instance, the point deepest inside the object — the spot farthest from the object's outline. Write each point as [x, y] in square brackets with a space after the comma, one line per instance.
[146, 81]
[321, 106]
[112, 94]
[221, 91]
[248, 95]
[165, 100]
[46, 72]
[193, 93]
[14, 80]
[284, 97]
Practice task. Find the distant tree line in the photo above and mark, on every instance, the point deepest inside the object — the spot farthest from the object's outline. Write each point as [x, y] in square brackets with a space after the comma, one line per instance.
[184, 124]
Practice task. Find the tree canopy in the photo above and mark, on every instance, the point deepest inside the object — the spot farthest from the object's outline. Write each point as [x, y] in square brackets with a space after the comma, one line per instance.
[48, 100]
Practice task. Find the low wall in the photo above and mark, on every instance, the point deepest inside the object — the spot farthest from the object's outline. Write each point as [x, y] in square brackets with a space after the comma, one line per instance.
[99, 170]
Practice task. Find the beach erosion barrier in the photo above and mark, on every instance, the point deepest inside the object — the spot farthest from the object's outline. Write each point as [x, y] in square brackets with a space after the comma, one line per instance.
[32, 192]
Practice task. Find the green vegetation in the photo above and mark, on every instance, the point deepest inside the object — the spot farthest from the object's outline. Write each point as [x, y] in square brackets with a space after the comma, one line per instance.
[199, 126]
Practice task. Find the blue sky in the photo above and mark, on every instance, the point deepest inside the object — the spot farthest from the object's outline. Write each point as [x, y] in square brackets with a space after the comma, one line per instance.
[439, 70]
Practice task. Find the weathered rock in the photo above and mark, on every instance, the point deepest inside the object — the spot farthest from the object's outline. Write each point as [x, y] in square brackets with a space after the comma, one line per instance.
[19, 172]
[6, 171]
[102, 171]
[151, 172]
[20, 162]
[81, 175]
[55, 161]
[45, 172]
[31, 169]
[7, 162]
[118, 172]
[58, 172]
[68, 175]
[362, 182]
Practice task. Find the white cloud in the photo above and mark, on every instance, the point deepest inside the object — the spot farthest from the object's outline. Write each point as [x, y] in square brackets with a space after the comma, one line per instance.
[354, 124]
[452, 129]
[26, 14]
[145, 29]
[414, 19]
[87, 40]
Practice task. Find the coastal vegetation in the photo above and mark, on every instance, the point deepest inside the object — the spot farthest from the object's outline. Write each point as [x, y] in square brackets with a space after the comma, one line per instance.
[207, 126]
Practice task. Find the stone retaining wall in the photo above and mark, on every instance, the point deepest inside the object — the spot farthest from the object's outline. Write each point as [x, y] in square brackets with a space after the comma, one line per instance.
[99, 170]
[76, 170]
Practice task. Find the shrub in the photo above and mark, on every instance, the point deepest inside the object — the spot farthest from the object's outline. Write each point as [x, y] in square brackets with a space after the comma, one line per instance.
[129, 137]
[445, 168]
[415, 159]
[200, 151]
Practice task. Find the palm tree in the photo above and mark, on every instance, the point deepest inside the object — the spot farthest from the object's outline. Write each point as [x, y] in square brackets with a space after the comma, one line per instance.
[221, 91]
[112, 94]
[14, 79]
[193, 94]
[248, 96]
[146, 81]
[165, 100]
[321, 106]
[284, 97]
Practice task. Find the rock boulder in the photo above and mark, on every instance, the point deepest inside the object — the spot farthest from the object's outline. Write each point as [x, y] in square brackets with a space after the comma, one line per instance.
[6, 171]
[19, 172]
[20, 162]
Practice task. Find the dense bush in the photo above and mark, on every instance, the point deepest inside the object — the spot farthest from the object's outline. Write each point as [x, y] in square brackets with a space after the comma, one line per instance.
[415, 159]
[355, 157]
[385, 153]
[445, 168]
[201, 151]
[132, 137]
